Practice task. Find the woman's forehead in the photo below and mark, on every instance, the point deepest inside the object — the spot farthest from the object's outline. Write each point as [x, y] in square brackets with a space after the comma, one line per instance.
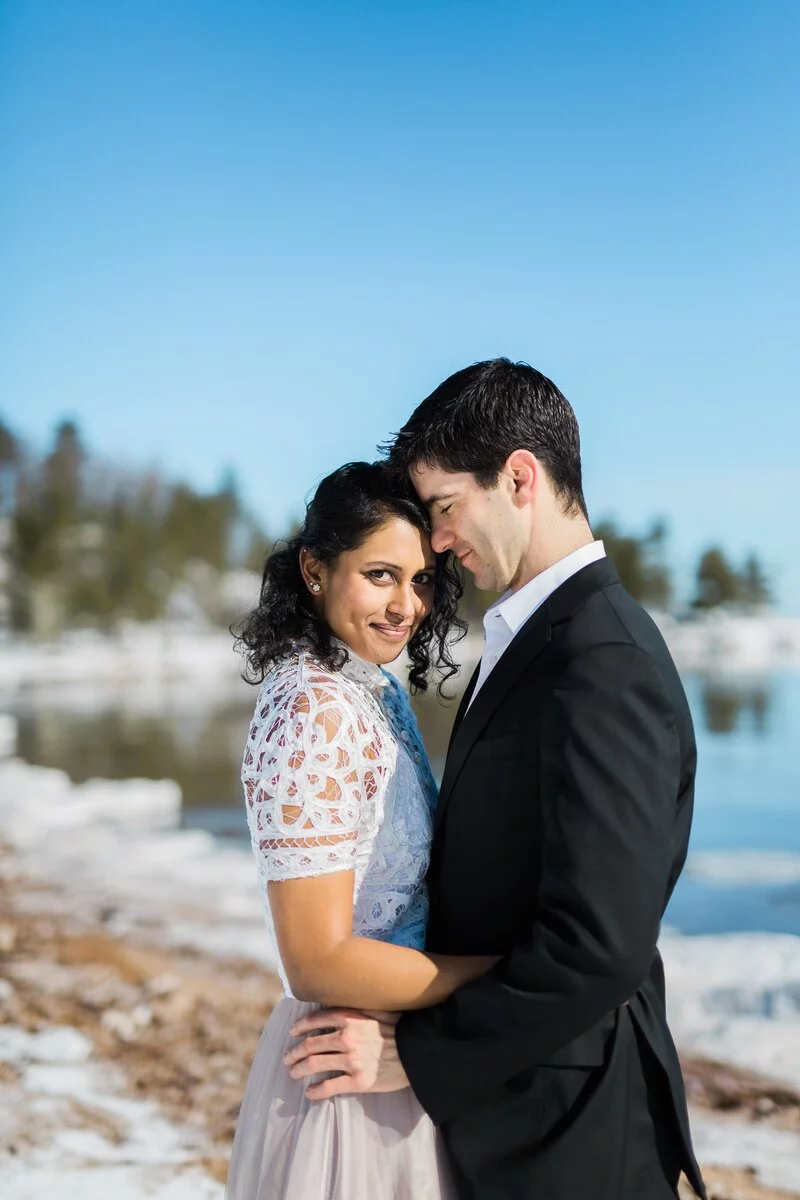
[395, 536]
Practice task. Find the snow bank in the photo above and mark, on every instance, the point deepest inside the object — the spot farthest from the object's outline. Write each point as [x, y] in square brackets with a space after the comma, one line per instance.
[116, 846]
[8, 735]
[774, 1154]
[719, 641]
[744, 868]
[735, 997]
[156, 651]
[727, 641]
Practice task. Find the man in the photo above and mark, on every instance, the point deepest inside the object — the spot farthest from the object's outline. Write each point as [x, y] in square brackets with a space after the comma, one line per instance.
[562, 828]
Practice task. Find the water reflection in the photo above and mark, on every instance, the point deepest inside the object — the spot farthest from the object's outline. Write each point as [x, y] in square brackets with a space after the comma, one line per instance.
[731, 705]
[747, 786]
[199, 743]
[200, 748]
[721, 706]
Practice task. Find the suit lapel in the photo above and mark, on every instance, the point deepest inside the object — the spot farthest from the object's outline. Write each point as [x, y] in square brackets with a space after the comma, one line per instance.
[464, 705]
[529, 641]
[527, 644]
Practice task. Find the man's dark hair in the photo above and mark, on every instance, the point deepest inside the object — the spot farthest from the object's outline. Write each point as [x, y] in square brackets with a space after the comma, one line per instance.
[479, 416]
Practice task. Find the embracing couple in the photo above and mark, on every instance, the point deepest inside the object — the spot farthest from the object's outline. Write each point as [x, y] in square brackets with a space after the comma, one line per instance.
[494, 1024]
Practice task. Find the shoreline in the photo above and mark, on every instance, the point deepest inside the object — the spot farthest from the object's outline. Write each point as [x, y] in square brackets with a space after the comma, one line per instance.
[721, 641]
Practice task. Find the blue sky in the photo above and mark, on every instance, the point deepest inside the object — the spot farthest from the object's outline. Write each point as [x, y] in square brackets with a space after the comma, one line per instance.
[250, 236]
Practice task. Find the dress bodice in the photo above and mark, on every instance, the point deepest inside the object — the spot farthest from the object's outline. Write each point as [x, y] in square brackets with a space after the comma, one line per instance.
[336, 778]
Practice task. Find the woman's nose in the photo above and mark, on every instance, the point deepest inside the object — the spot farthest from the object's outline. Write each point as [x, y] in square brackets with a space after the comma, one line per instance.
[404, 602]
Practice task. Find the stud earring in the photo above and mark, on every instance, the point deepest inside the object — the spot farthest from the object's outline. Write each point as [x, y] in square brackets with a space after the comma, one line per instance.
[315, 587]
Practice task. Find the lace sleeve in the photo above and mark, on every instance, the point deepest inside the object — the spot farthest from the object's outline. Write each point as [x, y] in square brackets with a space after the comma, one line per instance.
[311, 774]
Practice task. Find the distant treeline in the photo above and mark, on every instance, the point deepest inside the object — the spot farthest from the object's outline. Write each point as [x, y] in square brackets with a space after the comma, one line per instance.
[85, 543]
[82, 542]
[644, 570]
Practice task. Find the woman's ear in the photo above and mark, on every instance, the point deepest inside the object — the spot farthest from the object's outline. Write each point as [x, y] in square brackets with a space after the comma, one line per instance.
[313, 572]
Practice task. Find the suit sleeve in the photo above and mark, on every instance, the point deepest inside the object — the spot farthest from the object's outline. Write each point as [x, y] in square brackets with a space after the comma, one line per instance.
[610, 760]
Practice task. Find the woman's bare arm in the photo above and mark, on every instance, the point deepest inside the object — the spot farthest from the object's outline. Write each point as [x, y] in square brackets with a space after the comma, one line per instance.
[326, 963]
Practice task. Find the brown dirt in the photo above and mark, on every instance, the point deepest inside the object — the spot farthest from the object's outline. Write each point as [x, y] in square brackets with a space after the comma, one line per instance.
[722, 1088]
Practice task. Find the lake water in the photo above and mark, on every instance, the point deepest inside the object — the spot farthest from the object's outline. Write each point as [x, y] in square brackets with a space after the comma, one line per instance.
[744, 869]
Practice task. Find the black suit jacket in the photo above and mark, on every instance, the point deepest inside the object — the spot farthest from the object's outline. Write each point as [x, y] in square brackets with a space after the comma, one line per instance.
[562, 827]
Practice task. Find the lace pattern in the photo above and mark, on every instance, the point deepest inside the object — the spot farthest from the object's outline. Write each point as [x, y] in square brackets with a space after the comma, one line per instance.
[336, 778]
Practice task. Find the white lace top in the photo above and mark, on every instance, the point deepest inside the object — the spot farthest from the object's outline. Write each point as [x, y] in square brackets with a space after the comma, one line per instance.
[336, 778]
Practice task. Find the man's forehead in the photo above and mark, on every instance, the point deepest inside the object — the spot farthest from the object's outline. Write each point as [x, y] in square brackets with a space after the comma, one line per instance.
[434, 483]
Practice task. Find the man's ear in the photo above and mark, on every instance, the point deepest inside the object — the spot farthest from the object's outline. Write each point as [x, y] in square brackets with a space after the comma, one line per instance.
[523, 470]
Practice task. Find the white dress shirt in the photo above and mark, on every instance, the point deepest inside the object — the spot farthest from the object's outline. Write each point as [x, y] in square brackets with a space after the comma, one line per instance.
[507, 615]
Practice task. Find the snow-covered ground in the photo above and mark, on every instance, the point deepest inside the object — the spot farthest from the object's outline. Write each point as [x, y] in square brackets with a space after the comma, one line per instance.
[118, 847]
[735, 997]
[77, 1135]
[74, 1129]
[774, 1154]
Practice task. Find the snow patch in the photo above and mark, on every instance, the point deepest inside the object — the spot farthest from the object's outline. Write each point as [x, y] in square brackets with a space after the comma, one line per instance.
[744, 868]
[735, 997]
[117, 846]
[774, 1154]
[47, 1115]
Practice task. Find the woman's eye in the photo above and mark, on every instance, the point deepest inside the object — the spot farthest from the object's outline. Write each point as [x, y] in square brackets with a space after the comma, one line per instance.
[381, 574]
[424, 579]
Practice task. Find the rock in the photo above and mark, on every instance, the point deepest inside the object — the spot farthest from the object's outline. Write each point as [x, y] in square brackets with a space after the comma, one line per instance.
[127, 1026]
[163, 985]
[722, 1087]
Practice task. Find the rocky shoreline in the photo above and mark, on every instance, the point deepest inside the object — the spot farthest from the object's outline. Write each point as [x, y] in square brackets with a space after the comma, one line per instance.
[178, 1028]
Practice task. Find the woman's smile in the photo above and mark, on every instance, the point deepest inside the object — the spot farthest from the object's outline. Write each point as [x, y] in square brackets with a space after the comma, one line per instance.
[395, 633]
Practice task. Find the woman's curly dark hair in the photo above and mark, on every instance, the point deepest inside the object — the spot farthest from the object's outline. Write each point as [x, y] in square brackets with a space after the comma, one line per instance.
[346, 508]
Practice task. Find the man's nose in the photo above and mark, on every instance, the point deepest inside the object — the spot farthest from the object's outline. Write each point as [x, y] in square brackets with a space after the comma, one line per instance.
[441, 539]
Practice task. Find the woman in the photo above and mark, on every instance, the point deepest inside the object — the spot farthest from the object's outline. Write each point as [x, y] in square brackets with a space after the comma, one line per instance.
[340, 801]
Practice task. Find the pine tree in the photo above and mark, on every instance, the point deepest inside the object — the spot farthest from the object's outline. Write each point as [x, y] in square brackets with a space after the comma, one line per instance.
[753, 586]
[640, 561]
[717, 580]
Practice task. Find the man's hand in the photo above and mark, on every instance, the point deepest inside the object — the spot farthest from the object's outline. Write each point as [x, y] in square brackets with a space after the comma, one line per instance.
[361, 1045]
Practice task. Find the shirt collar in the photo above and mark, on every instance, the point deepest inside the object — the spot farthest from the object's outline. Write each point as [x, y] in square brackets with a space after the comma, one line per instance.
[368, 674]
[516, 606]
